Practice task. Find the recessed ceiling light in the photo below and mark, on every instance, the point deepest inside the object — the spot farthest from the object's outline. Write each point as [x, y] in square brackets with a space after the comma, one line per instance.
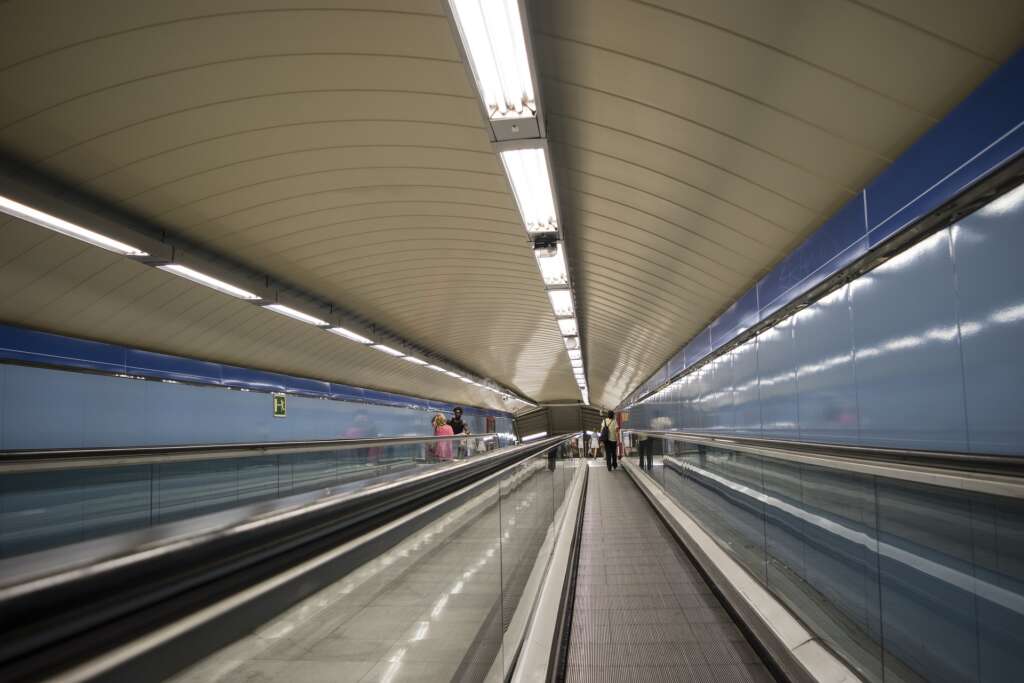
[50, 222]
[296, 315]
[349, 334]
[211, 282]
[388, 350]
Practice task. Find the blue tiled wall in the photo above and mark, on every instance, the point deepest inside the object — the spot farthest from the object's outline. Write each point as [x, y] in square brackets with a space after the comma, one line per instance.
[922, 352]
[982, 133]
[46, 408]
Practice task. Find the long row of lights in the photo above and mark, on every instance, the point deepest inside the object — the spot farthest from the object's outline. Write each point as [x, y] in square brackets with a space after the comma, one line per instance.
[64, 227]
[495, 39]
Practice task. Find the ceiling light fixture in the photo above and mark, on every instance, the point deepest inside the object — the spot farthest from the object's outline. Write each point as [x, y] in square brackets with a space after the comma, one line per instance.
[414, 360]
[50, 222]
[296, 315]
[561, 302]
[349, 334]
[575, 354]
[211, 282]
[436, 368]
[568, 327]
[492, 31]
[527, 171]
[388, 350]
[551, 261]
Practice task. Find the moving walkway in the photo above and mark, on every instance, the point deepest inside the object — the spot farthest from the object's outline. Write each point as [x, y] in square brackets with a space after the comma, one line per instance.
[728, 560]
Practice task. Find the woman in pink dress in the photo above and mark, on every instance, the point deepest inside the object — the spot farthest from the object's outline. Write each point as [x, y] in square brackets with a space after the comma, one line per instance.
[442, 449]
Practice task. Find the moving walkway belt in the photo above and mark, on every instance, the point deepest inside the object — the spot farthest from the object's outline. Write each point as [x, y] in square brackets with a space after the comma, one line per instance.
[52, 623]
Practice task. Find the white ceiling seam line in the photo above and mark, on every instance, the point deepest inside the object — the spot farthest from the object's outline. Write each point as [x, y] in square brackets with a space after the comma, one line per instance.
[494, 39]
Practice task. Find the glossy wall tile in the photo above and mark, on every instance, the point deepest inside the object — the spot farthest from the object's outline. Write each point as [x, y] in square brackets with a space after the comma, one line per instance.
[922, 352]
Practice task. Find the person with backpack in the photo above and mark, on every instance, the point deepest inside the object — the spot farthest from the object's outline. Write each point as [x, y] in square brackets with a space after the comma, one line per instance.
[610, 439]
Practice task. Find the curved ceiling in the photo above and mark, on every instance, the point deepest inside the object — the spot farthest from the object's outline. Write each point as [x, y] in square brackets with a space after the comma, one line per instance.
[339, 148]
[342, 148]
[696, 142]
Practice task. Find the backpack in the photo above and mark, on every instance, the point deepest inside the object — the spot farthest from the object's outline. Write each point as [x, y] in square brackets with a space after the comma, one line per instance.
[604, 431]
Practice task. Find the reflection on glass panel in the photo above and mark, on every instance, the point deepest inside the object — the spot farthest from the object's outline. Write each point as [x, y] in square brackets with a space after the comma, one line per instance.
[905, 581]
[427, 609]
[532, 496]
[445, 603]
[46, 509]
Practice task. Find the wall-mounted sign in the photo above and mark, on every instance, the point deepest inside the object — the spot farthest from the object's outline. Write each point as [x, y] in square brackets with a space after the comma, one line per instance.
[280, 405]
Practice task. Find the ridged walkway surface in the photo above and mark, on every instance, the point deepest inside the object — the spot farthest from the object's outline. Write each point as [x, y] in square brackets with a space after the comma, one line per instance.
[642, 611]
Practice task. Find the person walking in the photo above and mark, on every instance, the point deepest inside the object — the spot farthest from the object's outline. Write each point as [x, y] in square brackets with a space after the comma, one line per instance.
[442, 449]
[586, 444]
[460, 427]
[610, 439]
[645, 448]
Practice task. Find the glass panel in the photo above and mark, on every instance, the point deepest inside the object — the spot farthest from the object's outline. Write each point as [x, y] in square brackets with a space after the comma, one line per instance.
[428, 609]
[905, 581]
[45, 509]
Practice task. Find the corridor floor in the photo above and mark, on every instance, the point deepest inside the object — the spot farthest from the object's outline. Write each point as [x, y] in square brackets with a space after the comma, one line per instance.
[642, 611]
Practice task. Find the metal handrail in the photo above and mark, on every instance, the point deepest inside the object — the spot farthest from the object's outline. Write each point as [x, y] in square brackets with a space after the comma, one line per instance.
[984, 473]
[26, 460]
[54, 618]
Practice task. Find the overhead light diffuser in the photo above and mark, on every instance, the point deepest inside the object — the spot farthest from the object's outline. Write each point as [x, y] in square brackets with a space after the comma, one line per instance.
[568, 327]
[297, 315]
[45, 220]
[349, 334]
[561, 302]
[572, 342]
[575, 354]
[467, 380]
[527, 170]
[414, 360]
[388, 350]
[211, 282]
[436, 368]
[576, 364]
[453, 374]
[492, 31]
[551, 261]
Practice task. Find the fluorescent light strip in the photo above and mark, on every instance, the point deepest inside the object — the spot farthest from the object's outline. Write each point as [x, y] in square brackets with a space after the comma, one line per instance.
[527, 171]
[575, 354]
[561, 302]
[568, 327]
[467, 380]
[493, 35]
[453, 374]
[45, 220]
[206, 280]
[388, 350]
[297, 315]
[349, 334]
[551, 261]
[535, 435]
[571, 342]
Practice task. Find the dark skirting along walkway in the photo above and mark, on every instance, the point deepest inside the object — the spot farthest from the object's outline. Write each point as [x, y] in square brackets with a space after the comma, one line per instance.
[642, 611]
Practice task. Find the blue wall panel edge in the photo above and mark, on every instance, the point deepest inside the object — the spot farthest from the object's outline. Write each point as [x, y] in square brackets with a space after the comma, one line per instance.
[45, 348]
[981, 134]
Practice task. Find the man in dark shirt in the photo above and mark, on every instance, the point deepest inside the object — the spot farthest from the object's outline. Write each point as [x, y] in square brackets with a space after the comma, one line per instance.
[458, 426]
